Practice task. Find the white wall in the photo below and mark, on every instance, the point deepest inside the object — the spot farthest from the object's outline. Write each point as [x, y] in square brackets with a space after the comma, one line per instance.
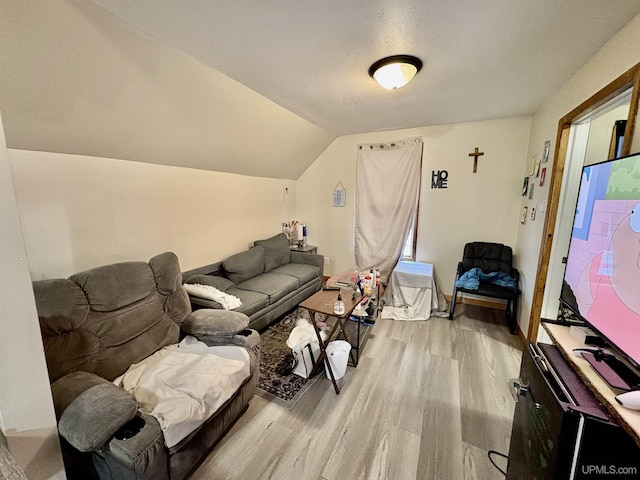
[615, 58]
[28, 419]
[600, 134]
[482, 206]
[79, 212]
[75, 79]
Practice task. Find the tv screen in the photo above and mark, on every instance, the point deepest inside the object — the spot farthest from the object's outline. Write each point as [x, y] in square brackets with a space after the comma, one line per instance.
[602, 276]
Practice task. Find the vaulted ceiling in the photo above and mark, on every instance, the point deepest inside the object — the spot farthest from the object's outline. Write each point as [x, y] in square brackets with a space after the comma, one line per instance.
[262, 87]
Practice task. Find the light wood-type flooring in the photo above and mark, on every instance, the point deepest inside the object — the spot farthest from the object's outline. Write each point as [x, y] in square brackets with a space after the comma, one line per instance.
[427, 401]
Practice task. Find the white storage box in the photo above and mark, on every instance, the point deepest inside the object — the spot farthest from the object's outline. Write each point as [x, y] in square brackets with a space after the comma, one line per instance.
[303, 342]
[305, 359]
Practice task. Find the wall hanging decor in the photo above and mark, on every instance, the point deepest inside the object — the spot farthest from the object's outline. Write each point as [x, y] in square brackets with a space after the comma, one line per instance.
[475, 154]
[532, 166]
[545, 152]
[439, 178]
[543, 174]
[339, 195]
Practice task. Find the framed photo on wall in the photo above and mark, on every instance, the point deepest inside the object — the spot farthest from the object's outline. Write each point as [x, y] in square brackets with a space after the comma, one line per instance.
[532, 166]
[543, 174]
[545, 152]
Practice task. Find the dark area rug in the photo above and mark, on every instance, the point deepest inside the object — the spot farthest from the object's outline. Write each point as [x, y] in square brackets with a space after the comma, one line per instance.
[277, 382]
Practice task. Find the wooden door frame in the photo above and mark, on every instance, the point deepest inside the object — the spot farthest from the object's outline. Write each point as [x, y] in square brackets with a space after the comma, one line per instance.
[629, 79]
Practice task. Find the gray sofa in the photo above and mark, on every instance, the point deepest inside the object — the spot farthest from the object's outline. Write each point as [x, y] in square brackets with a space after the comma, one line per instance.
[269, 280]
[97, 323]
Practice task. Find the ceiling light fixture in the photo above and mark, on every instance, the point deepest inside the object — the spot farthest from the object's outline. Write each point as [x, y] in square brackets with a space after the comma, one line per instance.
[395, 71]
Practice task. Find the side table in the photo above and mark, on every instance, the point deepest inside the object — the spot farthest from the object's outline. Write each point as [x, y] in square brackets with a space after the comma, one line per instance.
[359, 330]
[322, 303]
[304, 249]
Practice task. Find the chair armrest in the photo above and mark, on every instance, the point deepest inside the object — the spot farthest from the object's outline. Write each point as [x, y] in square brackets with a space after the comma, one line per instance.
[209, 321]
[309, 258]
[459, 269]
[516, 277]
[247, 338]
[90, 409]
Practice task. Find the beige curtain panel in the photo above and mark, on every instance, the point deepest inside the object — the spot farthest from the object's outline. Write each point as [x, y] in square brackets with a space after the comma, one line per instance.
[387, 183]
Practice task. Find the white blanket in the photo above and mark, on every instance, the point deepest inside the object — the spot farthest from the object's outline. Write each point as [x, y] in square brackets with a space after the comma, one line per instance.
[228, 302]
[183, 385]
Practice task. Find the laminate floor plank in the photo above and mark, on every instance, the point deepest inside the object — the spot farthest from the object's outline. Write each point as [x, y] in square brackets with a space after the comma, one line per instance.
[441, 439]
[487, 406]
[477, 464]
[439, 336]
[426, 402]
[412, 382]
[364, 440]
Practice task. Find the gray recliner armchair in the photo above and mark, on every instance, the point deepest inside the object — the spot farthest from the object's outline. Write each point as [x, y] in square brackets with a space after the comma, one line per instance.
[97, 323]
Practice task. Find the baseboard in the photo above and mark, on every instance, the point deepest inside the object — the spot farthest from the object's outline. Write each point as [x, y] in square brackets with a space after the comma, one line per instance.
[478, 302]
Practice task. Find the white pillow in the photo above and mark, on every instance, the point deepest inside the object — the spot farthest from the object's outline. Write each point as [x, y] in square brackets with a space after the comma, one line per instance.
[228, 302]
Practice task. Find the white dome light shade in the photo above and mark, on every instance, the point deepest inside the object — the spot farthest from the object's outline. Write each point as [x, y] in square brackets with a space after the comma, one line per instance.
[395, 72]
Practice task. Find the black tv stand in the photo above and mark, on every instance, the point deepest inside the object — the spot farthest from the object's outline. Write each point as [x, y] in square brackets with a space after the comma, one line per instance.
[615, 372]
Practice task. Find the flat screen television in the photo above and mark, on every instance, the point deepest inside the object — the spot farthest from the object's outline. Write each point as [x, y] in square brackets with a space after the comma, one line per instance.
[602, 275]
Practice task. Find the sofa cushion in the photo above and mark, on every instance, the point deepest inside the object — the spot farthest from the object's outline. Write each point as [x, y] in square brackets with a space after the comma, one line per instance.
[303, 272]
[276, 251]
[111, 287]
[208, 321]
[274, 285]
[215, 281]
[245, 265]
[252, 302]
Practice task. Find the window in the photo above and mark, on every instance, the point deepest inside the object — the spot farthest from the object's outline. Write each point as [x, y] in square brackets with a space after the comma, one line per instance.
[409, 250]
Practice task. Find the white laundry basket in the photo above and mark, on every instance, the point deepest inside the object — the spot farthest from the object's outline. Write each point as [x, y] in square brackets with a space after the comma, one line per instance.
[338, 355]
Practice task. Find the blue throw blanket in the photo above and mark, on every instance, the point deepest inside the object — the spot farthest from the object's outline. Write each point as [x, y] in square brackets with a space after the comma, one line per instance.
[472, 278]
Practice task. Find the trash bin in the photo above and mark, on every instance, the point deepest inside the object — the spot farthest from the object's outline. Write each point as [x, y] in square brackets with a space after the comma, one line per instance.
[338, 355]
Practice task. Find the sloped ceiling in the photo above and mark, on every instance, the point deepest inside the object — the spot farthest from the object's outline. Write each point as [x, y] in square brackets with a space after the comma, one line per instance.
[74, 79]
[262, 87]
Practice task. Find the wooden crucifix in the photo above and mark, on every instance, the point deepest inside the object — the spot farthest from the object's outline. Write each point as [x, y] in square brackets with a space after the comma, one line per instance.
[475, 156]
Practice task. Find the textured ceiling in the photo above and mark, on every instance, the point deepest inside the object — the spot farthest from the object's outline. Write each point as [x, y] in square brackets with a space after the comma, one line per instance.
[263, 87]
[482, 59]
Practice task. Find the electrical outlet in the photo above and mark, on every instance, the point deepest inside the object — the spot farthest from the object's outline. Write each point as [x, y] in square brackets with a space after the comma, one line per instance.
[327, 261]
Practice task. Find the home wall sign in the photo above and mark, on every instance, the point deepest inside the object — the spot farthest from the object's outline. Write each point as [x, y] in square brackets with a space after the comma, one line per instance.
[439, 178]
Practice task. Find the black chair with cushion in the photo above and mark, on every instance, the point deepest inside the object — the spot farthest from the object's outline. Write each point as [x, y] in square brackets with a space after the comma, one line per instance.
[490, 258]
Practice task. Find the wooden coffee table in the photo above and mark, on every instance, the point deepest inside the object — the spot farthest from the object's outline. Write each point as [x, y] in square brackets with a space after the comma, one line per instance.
[322, 302]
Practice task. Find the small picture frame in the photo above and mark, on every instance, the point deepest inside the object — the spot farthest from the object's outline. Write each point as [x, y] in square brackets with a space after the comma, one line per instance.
[533, 213]
[537, 174]
[532, 166]
[523, 217]
[525, 186]
[531, 190]
[545, 151]
[339, 195]
[543, 174]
